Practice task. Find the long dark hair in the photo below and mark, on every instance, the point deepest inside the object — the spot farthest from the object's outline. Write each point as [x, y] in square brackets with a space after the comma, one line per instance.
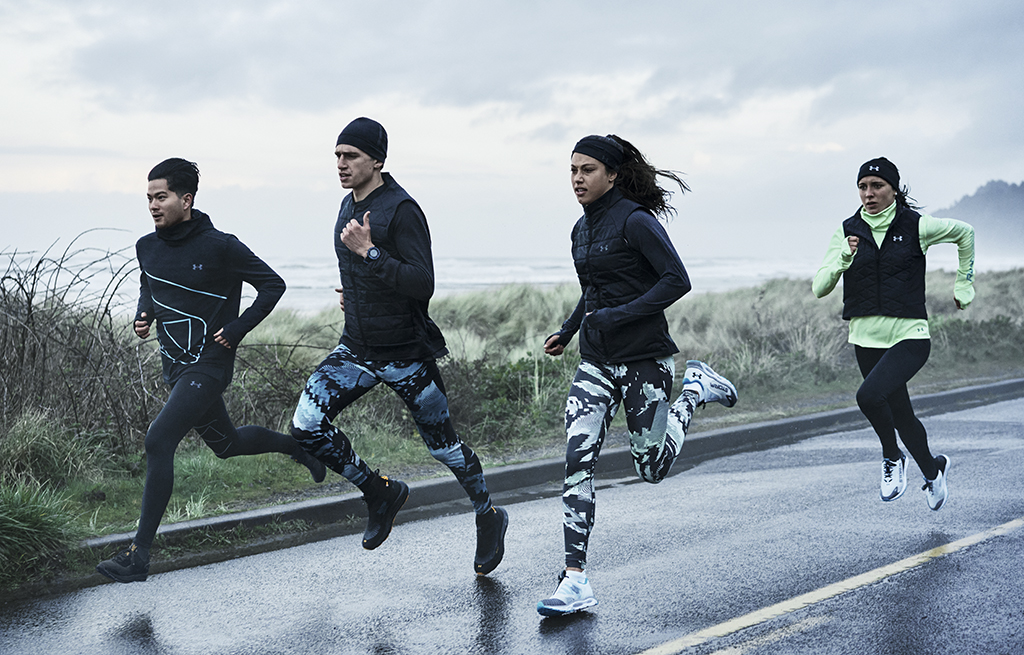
[904, 199]
[638, 180]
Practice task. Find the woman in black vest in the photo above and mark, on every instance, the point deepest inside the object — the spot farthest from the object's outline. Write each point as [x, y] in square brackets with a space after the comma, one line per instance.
[880, 254]
[629, 273]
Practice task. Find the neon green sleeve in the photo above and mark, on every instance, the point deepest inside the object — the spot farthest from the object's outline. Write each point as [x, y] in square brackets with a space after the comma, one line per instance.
[934, 231]
[837, 259]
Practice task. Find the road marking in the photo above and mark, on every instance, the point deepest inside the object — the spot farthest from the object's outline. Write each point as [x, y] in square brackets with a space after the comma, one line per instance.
[812, 597]
[799, 627]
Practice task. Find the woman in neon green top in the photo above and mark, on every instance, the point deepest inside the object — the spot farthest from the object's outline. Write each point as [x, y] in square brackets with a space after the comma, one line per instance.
[880, 254]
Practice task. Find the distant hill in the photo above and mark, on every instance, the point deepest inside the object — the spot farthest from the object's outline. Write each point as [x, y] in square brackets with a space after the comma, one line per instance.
[996, 211]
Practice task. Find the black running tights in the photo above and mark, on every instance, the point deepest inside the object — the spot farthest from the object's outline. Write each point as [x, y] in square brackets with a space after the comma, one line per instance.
[195, 402]
[885, 401]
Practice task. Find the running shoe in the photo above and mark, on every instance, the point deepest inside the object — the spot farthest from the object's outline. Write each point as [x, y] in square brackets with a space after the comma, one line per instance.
[129, 565]
[935, 490]
[382, 510]
[709, 385]
[315, 466]
[894, 478]
[490, 540]
[572, 595]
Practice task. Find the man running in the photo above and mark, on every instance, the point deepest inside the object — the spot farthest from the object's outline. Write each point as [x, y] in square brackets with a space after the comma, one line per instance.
[191, 285]
[387, 275]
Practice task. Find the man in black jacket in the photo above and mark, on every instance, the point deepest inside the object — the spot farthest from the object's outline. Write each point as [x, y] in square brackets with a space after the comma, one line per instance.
[387, 273]
[191, 285]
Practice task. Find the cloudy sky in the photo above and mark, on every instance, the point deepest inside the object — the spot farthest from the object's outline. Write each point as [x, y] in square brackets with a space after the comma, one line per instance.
[768, 108]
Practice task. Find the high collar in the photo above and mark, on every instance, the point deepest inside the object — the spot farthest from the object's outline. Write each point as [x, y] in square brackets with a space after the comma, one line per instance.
[200, 222]
[881, 219]
[597, 208]
[387, 182]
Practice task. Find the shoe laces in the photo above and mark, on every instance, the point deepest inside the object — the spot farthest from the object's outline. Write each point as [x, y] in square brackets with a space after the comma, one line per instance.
[928, 486]
[888, 467]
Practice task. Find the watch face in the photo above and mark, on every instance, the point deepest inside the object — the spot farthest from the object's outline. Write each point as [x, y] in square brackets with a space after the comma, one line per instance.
[373, 253]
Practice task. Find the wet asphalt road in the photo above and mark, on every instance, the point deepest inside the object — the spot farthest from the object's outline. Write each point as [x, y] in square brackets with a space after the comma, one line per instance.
[716, 542]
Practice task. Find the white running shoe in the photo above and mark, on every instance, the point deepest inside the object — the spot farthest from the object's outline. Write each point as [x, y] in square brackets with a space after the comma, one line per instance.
[709, 385]
[935, 490]
[894, 478]
[573, 594]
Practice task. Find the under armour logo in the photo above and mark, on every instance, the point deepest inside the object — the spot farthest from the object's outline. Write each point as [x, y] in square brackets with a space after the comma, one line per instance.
[898, 238]
[197, 385]
[873, 168]
[197, 267]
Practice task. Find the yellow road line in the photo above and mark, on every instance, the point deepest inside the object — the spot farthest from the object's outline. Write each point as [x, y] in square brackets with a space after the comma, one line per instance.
[818, 595]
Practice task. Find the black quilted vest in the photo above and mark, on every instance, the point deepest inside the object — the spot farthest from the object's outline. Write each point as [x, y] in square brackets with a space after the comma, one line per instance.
[380, 322]
[886, 280]
[611, 273]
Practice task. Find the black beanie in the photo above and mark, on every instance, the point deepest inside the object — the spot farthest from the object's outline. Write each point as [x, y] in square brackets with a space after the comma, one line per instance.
[883, 168]
[604, 149]
[368, 135]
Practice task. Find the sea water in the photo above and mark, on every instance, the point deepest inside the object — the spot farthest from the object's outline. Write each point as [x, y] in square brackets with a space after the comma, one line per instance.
[311, 281]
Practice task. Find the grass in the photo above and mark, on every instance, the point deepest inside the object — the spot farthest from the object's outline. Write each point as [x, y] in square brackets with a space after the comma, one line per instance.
[78, 397]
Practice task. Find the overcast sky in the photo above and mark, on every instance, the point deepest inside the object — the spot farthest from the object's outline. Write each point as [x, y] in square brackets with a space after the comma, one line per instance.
[769, 108]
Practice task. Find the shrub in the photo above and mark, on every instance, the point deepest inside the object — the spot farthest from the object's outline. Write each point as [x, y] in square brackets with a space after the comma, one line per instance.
[36, 524]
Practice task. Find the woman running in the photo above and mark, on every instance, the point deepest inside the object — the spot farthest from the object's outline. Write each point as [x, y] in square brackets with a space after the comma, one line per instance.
[629, 273]
[880, 254]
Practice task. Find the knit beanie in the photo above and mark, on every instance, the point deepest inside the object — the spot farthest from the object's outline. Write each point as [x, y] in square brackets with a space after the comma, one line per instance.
[368, 135]
[883, 168]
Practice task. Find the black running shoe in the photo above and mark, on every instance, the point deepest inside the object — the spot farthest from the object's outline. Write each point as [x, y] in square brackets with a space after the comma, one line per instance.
[315, 466]
[382, 510]
[490, 540]
[127, 566]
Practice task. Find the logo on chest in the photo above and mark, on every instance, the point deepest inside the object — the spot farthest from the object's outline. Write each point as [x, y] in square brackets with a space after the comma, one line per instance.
[197, 267]
[897, 237]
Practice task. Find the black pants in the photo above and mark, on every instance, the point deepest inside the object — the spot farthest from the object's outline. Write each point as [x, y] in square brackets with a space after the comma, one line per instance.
[195, 402]
[885, 401]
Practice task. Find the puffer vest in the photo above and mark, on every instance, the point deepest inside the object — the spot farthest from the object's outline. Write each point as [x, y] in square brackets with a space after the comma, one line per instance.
[380, 322]
[611, 274]
[886, 279]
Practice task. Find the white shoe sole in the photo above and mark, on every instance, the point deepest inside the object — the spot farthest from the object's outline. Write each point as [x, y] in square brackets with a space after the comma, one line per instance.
[561, 610]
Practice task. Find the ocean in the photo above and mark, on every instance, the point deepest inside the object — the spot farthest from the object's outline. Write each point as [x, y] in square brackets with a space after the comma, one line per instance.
[311, 281]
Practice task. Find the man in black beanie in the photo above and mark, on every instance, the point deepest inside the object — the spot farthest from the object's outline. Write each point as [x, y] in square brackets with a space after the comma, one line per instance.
[387, 275]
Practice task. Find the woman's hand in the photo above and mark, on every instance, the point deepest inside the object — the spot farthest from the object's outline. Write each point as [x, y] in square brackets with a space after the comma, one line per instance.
[854, 242]
[552, 347]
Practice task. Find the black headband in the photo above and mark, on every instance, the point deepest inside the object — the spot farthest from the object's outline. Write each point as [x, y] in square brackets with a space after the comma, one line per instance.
[883, 168]
[604, 149]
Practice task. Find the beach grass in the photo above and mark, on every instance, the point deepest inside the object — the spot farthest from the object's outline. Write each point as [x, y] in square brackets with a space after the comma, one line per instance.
[78, 395]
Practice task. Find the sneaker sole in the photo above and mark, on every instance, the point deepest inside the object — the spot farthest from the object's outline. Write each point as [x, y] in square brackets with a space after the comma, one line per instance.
[491, 564]
[732, 395]
[898, 494]
[945, 475]
[122, 578]
[389, 519]
[546, 610]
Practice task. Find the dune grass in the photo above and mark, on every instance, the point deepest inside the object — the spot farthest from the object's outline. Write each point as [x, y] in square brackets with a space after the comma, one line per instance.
[79, 395]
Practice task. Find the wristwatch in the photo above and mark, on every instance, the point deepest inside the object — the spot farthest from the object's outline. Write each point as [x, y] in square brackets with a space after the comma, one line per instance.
[373, 254]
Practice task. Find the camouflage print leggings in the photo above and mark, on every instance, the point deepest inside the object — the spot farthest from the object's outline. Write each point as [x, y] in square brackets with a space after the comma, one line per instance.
[656, 432]
[342, 378]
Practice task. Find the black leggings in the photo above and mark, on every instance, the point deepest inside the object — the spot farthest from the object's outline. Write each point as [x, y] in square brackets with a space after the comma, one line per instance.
[885, 401]
[195, 402]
